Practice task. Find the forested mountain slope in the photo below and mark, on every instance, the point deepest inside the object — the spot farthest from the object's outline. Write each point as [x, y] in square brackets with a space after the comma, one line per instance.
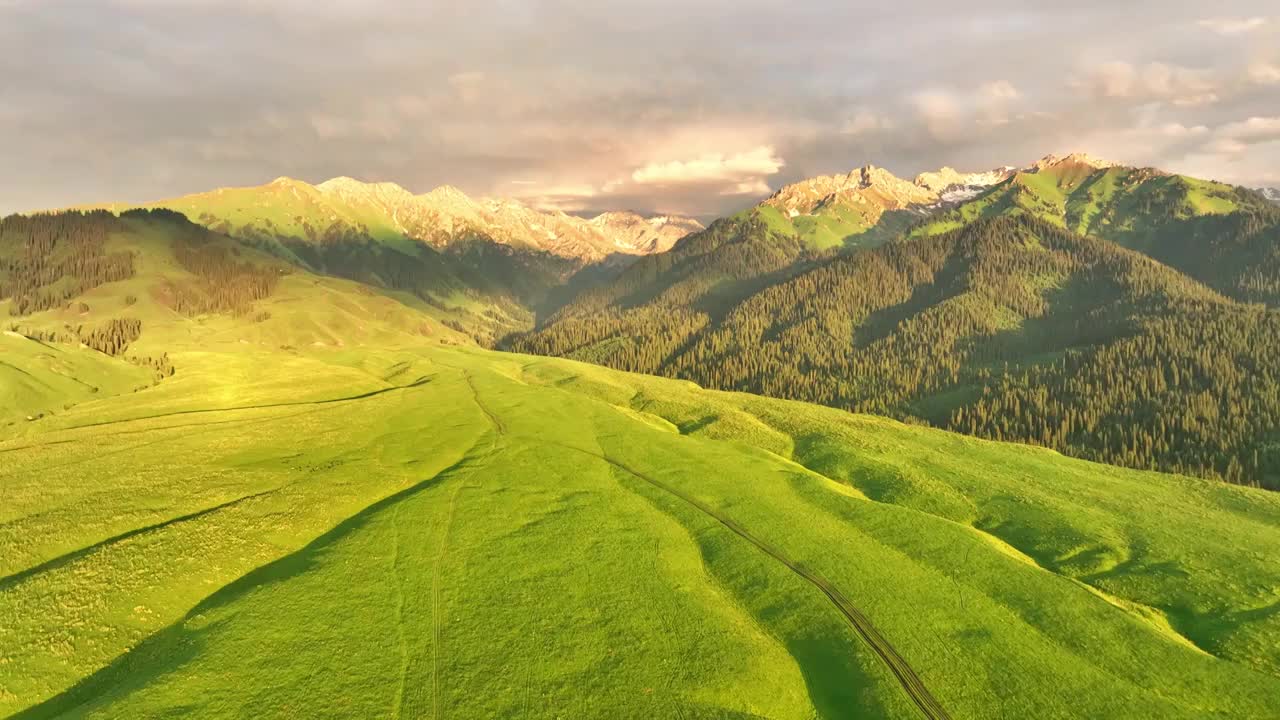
[1008, 326]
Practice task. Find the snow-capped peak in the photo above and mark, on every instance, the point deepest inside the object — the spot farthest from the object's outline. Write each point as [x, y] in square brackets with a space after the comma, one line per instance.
[948, 178]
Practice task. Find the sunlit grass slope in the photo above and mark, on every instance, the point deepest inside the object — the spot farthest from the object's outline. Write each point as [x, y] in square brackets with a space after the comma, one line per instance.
[449, 532]
[37, 377]
[1119, 203]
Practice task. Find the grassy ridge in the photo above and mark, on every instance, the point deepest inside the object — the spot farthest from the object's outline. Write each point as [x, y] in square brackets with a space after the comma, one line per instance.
[1221, 235]
[36, 377]
[457, 532]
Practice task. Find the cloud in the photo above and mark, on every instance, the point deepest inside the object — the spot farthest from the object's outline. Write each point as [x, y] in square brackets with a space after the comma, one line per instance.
[1251, 131]
[725, 175]
[1234, 26]
[995, 100]
[940, 111]
[1264, 73]
[1000, 90]
[139, 99]
[1120, 80]
[950, 114]
[468, 85]
[736, 170]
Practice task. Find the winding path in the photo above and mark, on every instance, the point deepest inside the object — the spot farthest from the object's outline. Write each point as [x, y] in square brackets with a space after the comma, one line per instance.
[907, 678]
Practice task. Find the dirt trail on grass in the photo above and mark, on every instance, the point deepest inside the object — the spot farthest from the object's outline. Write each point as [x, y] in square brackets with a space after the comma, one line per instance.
[498, 426]
[907, 678]
[442, 551]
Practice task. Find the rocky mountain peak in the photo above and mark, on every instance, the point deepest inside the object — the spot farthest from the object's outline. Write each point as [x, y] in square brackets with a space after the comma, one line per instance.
[1076, 159]
[448, 197]
[613, 217]
[872, 176]
[351, 188]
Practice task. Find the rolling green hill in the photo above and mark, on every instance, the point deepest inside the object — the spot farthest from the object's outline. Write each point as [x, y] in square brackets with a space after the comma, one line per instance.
[71, 278]
[432, 531]
[294, 495]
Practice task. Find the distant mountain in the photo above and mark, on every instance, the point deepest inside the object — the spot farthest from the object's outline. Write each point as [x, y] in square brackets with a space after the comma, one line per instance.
[442, 246]
[1035, 310]
[444, 217]
[869, 205]
[644, 236]
[1225, 236]
[1272, 194]
[954, 187]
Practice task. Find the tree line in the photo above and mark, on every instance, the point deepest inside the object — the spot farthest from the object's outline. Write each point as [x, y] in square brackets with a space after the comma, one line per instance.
[223, 283]
[48, 259]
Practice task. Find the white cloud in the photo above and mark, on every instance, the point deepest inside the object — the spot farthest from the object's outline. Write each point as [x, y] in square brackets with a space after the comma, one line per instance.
[1233, 26]
[725, 175]
[950, 114]
[1180, 131]
[1000, 90]
[940, 111]
[467, 85]
[1185, 87]
[1264, 73]
[1254, 130]
[1234, 138]
[739, 170]
[1202, 99]
[1112, 79]
[995, 98]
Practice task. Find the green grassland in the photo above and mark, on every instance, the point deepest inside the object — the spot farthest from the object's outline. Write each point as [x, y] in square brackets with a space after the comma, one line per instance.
[338, 507]
[37, 377]
[835, 226]
[423, 530]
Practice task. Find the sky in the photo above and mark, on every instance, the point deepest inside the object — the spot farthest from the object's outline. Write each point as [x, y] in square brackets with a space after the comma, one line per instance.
[698, 107]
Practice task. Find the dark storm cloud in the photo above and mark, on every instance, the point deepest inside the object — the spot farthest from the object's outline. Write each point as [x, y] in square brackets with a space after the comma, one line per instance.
[667, 106]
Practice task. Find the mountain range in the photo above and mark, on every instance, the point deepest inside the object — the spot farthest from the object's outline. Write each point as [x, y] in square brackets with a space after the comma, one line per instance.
[341, 208]
[1122, 314]
[491, 262]
[1036, 304]
[226, 421]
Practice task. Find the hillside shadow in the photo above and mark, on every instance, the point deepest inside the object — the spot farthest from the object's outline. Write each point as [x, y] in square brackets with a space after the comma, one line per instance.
[882, 323]
[165, 652]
